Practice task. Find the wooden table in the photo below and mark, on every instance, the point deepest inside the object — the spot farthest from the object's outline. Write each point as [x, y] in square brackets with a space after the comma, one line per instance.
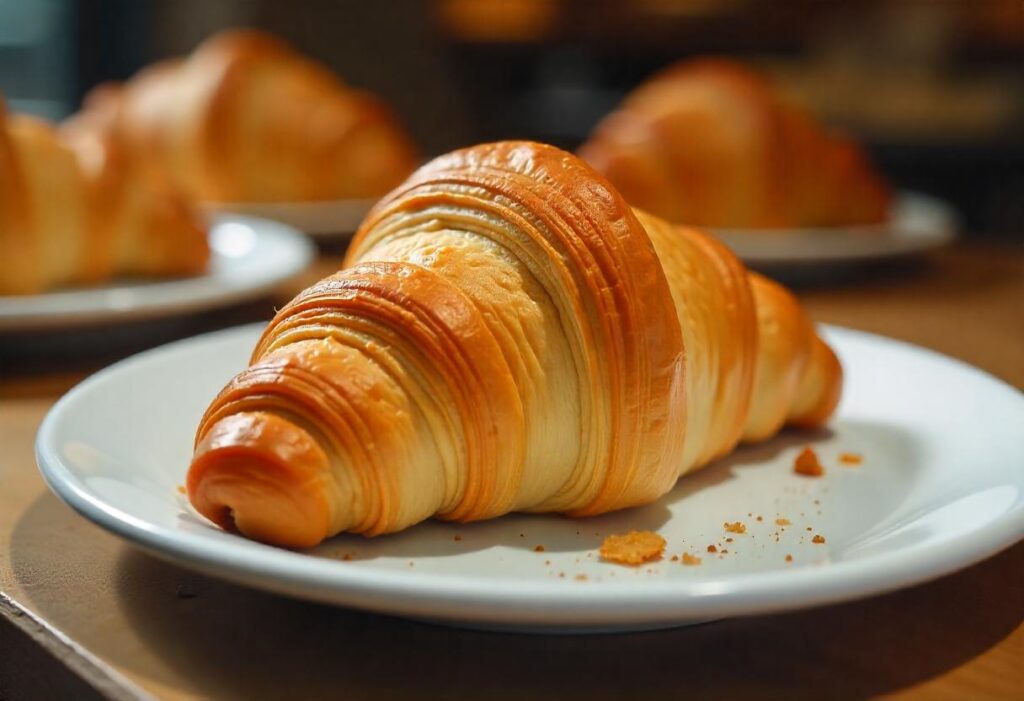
[84, 615]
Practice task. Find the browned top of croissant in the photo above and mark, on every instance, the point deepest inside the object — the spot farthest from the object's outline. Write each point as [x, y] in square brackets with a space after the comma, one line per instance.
[709, 142]
[507, 335]
[246, 118]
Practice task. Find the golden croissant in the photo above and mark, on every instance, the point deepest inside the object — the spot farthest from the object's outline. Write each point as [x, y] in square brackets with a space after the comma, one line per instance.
[707, 142]
[507, 335]
[245, 118]
[76, 209]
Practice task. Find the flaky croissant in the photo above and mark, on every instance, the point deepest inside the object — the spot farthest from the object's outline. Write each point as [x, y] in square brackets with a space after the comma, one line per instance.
[708, 142]
[75, 209]
[508, 335]
[246, 119]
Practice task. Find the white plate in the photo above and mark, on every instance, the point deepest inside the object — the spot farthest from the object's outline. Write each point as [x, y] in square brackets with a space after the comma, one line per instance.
[249, 257]
[917, 223]
[334, 220]
[941, 487]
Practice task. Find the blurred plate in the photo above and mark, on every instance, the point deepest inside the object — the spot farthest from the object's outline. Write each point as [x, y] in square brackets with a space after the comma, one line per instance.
[336, 220]
[918, 223]
[249, 257]
[941, 487]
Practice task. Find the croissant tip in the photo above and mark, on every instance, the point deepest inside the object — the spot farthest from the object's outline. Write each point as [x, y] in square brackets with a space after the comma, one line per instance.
[240, 482]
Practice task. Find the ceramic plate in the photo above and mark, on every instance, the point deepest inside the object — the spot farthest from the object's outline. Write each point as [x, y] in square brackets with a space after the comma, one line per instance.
[249, 258]
[326, 221]
[941, 486]
[918, 223]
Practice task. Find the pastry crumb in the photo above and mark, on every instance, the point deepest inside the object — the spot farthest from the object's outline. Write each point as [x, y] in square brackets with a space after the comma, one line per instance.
[457, 538]
[538, 548]
[712, 549]
[675, 558]
[690, 560]
[789, 558]
[737, 527]
[818, 539]
[633, 548]
[581, 578]
[347, 557]
[760, 518]
[807, 464]
[782, 522]
[181, 489]
[851, 459]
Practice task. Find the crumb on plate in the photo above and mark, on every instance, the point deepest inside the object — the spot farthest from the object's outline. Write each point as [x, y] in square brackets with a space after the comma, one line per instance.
[538, 548]
[737, 527]
[712, 549]
[807, 464]
[819, 539]
[690, 560]
[633, 548]
[851, 458]
[782, 522]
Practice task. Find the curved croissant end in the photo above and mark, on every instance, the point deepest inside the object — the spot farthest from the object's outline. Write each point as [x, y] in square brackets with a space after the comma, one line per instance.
[508, 335]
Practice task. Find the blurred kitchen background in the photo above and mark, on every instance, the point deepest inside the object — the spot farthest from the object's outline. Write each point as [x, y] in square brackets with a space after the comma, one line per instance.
[933, 88]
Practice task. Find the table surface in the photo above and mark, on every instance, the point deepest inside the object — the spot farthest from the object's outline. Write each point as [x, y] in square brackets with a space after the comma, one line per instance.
[82, 613]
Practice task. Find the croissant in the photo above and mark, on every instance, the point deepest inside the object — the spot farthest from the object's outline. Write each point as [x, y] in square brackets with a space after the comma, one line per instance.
[75, 210]
[507, 335]
[246, 119]
[707, 142]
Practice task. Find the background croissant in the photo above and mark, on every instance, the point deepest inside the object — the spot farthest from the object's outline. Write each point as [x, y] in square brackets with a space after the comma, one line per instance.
[244, 118]
[508, 335]
[76, 208]
[709, 143]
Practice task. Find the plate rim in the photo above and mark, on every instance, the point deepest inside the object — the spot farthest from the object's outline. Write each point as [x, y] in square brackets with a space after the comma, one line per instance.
[523, 602]
[309, 217]
[167, 305]
[895, 238]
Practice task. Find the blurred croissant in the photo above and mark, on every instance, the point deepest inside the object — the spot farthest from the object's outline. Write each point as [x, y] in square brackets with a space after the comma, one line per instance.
[246, 119]
[708, 143]
[508, 335]
[76, 209]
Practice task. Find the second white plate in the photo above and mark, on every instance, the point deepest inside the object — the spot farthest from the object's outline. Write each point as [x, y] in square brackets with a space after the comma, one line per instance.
[941, 486]
[248, 258]
[917, 223]
[334, 220]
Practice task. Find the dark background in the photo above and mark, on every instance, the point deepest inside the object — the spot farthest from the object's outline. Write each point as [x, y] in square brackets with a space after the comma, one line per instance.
[934, 88]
